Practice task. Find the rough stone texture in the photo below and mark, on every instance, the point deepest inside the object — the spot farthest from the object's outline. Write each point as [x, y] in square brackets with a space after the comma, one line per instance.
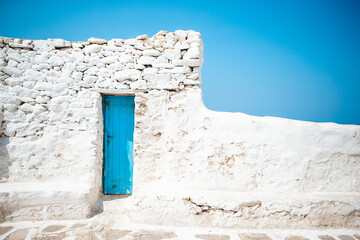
[52, 237]
[346, 237]
[254, 236]
[116, 234]
[153, 235]
[212, 236]
[53, 228]
[18, 234]
[244, 210]
[109, 225]
[4, 230]
[52, 135]
[296, 238]
[326, 237]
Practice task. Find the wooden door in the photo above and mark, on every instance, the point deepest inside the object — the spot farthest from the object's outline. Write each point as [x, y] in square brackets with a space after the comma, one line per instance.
[118, 113]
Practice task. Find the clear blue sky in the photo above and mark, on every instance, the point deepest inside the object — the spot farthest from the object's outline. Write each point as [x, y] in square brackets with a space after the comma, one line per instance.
[292, 59]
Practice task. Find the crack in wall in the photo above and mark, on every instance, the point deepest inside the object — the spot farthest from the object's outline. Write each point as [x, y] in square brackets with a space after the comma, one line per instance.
[239, 210]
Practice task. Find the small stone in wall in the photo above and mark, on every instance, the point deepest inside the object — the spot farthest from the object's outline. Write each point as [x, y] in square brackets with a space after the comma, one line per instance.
[59, 43]
[151, 52]
[55, 61]
[94, 40]
[109, 59]
[93, 48]
[142, 37]
[141, 84]
[192, 53]
[125, 59]
[191, 82]
[146, 60]
[27, 107]
[172, 54]
[181, 35]
[128, 74]
[90, 79]
[12, 71]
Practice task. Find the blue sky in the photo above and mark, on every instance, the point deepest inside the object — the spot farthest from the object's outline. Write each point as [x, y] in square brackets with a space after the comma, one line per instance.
[292, 59]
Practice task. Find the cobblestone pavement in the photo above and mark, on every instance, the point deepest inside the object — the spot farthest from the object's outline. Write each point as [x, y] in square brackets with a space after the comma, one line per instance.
[93, 230]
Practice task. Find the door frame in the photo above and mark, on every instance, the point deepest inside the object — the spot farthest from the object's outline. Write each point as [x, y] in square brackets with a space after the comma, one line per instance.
[121, 93]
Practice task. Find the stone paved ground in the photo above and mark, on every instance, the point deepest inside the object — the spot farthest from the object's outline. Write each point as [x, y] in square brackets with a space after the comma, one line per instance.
[93, 230]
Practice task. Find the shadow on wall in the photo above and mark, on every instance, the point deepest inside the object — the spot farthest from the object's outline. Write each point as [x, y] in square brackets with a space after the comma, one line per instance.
[5, 162]
[101, 201]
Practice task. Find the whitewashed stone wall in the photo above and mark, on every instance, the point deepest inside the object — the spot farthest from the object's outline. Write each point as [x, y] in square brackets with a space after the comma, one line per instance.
[186, 158]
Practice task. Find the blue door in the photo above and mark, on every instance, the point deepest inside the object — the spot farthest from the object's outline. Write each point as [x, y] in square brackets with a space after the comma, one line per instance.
[118, 113]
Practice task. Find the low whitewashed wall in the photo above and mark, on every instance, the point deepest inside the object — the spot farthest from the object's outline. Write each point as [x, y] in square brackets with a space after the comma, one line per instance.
[51, 131]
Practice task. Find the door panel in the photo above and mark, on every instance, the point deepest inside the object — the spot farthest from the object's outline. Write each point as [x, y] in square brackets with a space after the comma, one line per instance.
[118, 113]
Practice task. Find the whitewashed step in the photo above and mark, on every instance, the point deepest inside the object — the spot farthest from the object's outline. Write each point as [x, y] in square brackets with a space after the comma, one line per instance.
[44, 201]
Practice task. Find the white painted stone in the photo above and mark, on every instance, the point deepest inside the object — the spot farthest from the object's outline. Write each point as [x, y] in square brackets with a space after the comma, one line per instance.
[150, 71]
[115, 67]
[125, 59]
[55, 61]
[77, 45]
[191, 82]
[42, 99]
[12, 63]
[24, 66]
[187, 62]
[93, 48]
[27, 107]
[16, 56]
[181, 70]
[130, 74]
[60, 43]
[140, 84]
[181, 35]
[13, 81]
[194, 76]
[142, 37]
[113, 48]
[192, 53]
[20, 45]
[77, 57]
[10, 99]
[109, 59]
[94, 40]
[90, 79]
[12, 71]
[163, 65]
[151, 52]
[146, 60]
[172, 54]
[42, 58]
[81, 67]
[161, 33]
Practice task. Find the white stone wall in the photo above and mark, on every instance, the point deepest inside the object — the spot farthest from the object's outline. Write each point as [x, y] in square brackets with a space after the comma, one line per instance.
[51, 129]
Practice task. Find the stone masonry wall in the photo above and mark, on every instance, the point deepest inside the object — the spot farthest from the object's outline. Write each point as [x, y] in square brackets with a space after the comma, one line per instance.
[52, 134]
